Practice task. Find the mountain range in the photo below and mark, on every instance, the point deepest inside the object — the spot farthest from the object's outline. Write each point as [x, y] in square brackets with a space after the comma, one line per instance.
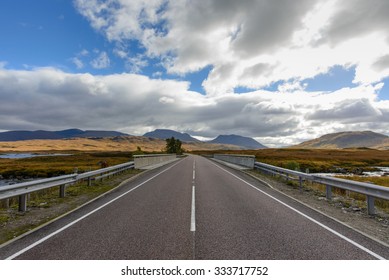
[233, 142]
[348, 139]
[19, 135]
[237, 140]
[246, 142]
[167, 133]
[340, 140]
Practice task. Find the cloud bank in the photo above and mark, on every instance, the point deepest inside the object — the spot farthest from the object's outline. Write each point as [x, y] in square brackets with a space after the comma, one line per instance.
[48, 98]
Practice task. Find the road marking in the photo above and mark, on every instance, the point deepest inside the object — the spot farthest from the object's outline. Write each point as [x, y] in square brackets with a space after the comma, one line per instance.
[193, 208]
[307, 217]
[194, 170]
[83, 217]
[193, 212]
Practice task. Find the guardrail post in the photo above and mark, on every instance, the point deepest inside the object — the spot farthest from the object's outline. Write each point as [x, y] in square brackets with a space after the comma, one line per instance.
[301, 183]
[6, 203]
[370, 205]
[62, 189]
[89, 181]
[328, 192]
[23, 203]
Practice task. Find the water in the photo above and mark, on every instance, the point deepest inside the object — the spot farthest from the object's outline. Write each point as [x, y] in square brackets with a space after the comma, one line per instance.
[28, 155]
[382, 171]
[4, 182]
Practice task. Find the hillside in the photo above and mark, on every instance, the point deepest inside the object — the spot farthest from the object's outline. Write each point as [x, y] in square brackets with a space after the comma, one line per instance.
[167, 133]
[244, 142]
[20, 135]
[119, 143]
[348, 139]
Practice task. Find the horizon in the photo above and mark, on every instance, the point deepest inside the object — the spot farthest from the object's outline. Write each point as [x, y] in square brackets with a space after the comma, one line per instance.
[279, 73]
[196, 137]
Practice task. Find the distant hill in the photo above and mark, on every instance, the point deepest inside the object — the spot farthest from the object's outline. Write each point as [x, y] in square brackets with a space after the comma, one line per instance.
[98, 144]
[244, 142]
[167, 133]
[347, 139]
[20, 135]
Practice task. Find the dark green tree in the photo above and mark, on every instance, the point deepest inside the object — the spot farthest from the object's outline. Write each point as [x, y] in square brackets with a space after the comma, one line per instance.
[173, 146]
[138, 151]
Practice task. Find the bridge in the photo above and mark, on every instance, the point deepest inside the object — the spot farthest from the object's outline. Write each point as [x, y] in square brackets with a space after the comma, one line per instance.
[195, 208]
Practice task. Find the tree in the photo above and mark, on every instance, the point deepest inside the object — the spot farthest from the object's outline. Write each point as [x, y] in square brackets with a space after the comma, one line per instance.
[173, 146]
[138, 151]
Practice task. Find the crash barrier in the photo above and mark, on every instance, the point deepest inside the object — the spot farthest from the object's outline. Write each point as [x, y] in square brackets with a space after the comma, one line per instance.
[22, 190]
[371, 191]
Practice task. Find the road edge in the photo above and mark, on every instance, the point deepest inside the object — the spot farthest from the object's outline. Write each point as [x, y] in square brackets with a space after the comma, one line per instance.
[320, 212]
[306, 205]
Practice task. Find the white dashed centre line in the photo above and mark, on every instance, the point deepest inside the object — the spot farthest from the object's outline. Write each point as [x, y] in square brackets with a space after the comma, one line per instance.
[193, 210]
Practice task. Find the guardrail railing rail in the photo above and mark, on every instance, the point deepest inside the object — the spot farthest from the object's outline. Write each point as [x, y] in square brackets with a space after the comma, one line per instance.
[23, 189]
[371, 191]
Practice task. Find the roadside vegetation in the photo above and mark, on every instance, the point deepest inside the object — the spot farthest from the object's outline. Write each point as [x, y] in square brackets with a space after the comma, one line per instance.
[51, 166]
[317, 160]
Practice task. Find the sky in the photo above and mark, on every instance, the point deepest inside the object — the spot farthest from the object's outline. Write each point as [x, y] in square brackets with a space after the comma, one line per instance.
[279, 71]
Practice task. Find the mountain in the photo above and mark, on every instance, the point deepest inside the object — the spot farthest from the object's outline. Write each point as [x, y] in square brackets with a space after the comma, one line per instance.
[347, 139]
[20, 135]
[167, 133]
[98, 144]
[244, 142]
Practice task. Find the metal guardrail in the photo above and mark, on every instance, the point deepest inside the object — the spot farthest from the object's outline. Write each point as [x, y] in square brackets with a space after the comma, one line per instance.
[370, 190]
[23, 189]
[281, 170]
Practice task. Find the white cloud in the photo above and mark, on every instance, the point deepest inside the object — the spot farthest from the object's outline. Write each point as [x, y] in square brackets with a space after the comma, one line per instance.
[251, 43]
[136, 64]
[166, 100]
[47, 98]
[101, 61]
[83, 52]
[78, 62]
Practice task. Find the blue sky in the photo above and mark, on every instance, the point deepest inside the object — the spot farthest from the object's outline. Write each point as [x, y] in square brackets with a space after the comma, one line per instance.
[194, 61]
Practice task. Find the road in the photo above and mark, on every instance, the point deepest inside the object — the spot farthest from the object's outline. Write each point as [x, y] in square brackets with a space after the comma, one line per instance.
[195, 209]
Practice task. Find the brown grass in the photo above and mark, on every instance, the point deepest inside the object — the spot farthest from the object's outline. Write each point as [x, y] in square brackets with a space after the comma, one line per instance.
[317, 160]
[121, 143]
[50, 166]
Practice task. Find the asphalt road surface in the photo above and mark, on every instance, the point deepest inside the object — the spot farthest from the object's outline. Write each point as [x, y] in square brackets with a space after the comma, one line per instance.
[195, 209]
